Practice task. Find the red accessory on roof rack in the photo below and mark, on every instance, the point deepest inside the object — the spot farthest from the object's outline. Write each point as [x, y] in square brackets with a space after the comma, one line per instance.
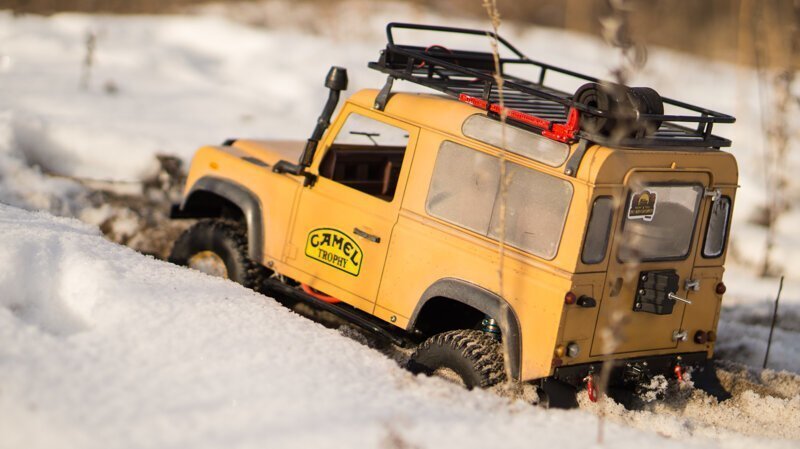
[556, 131]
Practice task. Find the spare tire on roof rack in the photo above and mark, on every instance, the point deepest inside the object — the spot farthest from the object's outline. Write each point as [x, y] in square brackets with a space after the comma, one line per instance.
[622, 106]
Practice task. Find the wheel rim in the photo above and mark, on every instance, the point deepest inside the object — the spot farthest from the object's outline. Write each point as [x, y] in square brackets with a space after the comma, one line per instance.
[451, 375]
[209, 263]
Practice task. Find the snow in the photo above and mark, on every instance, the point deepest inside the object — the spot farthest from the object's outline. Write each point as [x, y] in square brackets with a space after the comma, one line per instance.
[103, 347]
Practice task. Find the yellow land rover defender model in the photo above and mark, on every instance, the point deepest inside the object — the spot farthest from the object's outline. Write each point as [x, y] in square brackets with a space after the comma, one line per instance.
[612, 213]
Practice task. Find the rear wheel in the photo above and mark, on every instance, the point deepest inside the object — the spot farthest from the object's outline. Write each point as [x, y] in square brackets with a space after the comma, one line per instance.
[218, 247]
[471, 357]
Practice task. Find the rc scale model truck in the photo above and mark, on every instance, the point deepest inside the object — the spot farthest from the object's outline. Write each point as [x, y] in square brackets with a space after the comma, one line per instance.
[613, 215]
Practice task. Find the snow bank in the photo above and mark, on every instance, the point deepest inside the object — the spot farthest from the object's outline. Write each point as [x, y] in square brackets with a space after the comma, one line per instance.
[103, 347]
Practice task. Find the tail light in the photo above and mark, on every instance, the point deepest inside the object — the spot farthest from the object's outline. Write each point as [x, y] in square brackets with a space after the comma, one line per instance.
[560, 351]
[721, 289]
[570, 298]
[700, 337]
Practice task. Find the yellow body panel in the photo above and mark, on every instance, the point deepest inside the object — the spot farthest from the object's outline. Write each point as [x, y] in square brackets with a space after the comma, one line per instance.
[380, 256]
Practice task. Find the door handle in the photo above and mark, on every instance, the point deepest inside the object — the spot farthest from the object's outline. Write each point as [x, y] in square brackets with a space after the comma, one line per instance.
[675, 297]
[366, 235]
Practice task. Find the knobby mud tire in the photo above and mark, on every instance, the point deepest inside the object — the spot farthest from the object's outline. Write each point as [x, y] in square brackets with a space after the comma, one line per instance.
[475, 356]
[228, 240]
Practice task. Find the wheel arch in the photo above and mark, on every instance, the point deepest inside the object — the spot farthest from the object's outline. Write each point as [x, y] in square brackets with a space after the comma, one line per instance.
[208, 197]
[482, 300]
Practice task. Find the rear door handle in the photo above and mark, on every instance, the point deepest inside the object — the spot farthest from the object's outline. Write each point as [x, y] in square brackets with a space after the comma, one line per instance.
[366, 235]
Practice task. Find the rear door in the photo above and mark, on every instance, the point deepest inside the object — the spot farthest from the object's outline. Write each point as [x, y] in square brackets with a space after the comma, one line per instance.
[652, 256]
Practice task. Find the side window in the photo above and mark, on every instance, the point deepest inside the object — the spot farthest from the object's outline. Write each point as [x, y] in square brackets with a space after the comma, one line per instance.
[465, 191]
[717, 229]
[536, 209]
[366, 155]
[464, 187]
[596, 242]
[516, 140]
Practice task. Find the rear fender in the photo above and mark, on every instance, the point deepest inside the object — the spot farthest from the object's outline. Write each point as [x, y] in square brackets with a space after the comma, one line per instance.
[486, 302]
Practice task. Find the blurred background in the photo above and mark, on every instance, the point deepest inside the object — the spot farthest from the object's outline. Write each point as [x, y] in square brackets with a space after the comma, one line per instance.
[708, 28]
[112, 90]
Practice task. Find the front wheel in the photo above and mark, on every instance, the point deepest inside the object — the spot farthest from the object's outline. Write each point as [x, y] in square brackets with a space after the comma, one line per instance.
[218, 247]
[474, 357]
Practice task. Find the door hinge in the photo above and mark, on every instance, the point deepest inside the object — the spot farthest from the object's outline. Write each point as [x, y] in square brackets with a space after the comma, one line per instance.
[715, 194]
[692, 285]
[679, 335]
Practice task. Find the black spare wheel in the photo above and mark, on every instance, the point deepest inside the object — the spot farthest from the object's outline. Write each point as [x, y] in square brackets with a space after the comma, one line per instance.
[621, 106]
[647, 101]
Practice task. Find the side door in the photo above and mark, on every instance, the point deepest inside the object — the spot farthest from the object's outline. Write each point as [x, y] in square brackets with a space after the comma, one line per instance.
[343, 223]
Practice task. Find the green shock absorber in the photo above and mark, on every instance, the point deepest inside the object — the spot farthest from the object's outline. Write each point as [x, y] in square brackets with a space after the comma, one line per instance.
[490, 327]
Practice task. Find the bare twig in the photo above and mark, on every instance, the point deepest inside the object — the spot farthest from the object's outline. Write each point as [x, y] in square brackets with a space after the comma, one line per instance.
[494, 16]
[616, 31]
[613, 337]
[88, 61]
[774, 321]
[776, 102]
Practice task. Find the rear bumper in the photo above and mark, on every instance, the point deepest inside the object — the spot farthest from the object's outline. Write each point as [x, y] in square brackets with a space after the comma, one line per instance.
[629, 372]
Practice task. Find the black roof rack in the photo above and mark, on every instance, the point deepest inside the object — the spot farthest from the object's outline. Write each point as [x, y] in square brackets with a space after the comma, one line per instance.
[470, 77]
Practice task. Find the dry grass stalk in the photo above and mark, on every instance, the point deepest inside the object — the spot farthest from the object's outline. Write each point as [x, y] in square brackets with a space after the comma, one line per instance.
[88, 61]
[776, 66]
[613, 337]
[494, 16]
[616, 32]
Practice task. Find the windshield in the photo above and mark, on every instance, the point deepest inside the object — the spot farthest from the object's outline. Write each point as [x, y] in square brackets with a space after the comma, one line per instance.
[659, 222]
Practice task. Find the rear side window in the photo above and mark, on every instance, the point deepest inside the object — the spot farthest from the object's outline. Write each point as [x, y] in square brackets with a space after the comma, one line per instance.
[536, 209]
[517, 140]
[717, 228]
[464, 187]
[465, 191]
[596, 242]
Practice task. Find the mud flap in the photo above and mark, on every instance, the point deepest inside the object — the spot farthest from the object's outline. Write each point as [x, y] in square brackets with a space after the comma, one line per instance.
[705, 379]
[628, 397]
[557, 394]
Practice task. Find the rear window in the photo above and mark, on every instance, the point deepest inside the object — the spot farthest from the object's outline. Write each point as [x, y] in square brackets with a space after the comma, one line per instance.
[659, 222]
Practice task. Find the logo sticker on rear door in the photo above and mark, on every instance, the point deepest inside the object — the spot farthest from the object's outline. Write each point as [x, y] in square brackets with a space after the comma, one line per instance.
[643, 206]
[335, 248]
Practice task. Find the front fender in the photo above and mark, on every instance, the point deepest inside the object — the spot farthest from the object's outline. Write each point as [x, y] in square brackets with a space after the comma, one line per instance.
[242, 197]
